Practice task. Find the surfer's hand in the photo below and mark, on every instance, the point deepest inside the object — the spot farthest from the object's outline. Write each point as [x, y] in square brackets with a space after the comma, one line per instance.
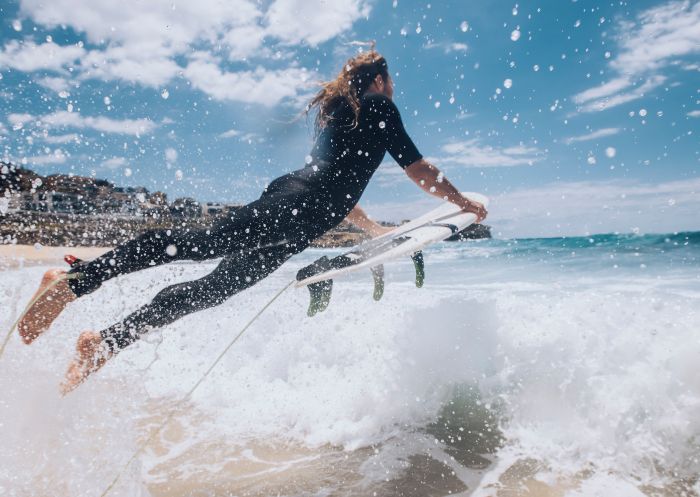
[475, 208]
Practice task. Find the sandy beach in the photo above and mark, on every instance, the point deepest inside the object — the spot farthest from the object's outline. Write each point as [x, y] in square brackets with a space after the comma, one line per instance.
[18, 255]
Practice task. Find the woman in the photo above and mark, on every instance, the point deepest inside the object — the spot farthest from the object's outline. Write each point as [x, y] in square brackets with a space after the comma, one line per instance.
[356, 124]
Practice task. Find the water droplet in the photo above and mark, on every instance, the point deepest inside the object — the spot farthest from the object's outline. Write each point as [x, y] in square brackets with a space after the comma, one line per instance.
[437, 105]
[515, 35]
[17, 25]
[295, 212]
[382, 125]
[464, 26]
[70, 107]
[171, 250]
[607, 55]
[643, 112]
[515, 11]
[671, 202]
[63, 94]
[536, 67]
[418, 29]
[452, 99]
[38, 246]
[127, 172]
[359, 152]
[165, 93]
[610, 152]
[591, 160]
[107, 100]
[178, 174]
[577, 23]
[308, 159]
[508, 83]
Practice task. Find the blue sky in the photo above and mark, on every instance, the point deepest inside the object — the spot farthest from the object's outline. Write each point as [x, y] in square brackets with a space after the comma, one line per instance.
[575, 117]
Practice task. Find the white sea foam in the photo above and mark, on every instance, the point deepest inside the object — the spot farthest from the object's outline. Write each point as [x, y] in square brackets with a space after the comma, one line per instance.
[582, 370]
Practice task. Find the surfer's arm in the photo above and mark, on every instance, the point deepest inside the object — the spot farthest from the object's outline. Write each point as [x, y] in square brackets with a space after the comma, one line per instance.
[359, 218]
[431, 180]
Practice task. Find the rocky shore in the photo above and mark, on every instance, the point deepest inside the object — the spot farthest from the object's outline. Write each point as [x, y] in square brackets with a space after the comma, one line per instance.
[91, 230]
[62, 210]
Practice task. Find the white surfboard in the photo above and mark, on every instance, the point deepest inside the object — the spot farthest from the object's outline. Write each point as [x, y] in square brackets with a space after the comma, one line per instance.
[435, 226]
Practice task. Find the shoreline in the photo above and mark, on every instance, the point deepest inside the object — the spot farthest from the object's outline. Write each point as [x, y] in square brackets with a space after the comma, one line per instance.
[15, 255]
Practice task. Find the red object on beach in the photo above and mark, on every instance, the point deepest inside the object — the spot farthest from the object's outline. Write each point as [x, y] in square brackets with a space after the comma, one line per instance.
[71, 260]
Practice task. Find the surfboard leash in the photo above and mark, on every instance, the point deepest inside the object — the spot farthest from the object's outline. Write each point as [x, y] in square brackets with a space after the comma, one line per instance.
[188, 395]
[67, 276]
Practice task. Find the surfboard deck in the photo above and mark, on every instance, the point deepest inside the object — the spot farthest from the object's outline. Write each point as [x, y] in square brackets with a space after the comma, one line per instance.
[407, 239]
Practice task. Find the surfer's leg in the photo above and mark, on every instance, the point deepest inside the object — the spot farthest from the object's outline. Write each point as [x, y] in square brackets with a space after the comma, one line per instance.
[233, 274]
[58, 288]
[151, 248]
[246, 227]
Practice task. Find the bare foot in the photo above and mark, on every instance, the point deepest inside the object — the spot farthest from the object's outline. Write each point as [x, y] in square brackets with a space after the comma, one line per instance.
[46, 309]
[92, 354]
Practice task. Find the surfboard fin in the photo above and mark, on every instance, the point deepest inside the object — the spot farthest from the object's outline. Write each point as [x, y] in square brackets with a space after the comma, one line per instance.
[320, 292]
[378, 275]
[419, 264]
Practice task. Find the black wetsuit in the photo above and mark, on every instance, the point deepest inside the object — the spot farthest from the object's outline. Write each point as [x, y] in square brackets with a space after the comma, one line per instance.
[256, 239]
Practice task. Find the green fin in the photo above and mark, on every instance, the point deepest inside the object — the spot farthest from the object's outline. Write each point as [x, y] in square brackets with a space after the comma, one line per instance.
[320, 297]
[378, 275]
[420, 268]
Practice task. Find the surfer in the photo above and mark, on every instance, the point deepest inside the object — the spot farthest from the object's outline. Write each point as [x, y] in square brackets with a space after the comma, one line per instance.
[356, 124]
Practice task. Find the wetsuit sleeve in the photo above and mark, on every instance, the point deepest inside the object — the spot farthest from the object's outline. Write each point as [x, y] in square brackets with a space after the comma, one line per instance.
[398, 143]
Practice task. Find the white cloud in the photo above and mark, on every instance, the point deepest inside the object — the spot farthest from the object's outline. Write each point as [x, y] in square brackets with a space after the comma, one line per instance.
[28, 56]
[65, 119]
[69, 138]
[448, 47]
[607, 102]
[147, 64]
[230, 133]
[472, 153]
[114, 163]
[594, 135]
[605, 90]
[144, 42]
[173, 24]
[262, 86]
[56, 84]
[659, 37]
[694, 113]
[19, 119]
[465, 115]
[312, 21]
[56, 157]
[170, 155]
[243, 41]
[578, 208]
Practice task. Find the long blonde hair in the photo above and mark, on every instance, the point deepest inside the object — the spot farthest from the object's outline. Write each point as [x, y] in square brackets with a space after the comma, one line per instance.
[350, 84]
